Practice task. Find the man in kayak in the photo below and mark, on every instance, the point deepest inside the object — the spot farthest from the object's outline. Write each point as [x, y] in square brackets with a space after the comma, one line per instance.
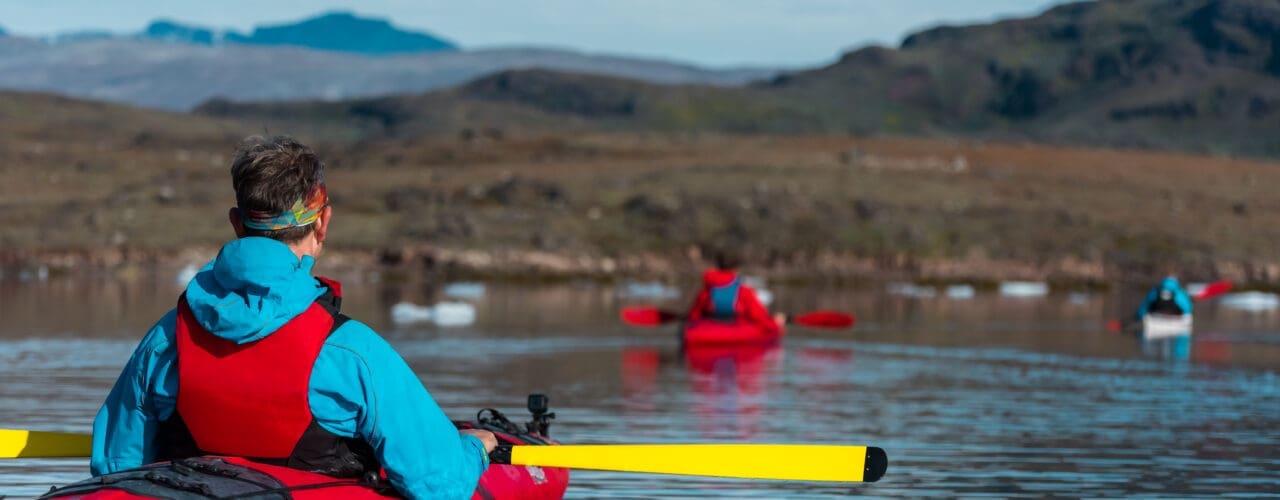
[724, 296]
[1166, 298]
[257, 361]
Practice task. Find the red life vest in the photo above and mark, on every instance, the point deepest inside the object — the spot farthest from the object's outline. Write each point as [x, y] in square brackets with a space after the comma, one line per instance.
[251, 400]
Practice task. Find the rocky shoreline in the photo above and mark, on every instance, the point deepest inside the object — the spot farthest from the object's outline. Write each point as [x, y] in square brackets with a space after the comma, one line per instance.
[530, 265]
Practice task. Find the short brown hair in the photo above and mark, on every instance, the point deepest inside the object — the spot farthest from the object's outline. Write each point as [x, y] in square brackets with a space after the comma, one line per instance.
[269, 175]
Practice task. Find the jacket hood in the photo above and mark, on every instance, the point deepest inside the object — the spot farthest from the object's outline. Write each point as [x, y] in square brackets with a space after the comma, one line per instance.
[253, 287]
[1170, 283]
[718, 277]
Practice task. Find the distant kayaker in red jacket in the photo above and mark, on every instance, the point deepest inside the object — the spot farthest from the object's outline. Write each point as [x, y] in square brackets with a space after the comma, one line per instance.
[725, 296]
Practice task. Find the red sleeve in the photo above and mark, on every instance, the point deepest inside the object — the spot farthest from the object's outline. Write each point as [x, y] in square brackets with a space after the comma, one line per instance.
[699, 304]
[753, 310]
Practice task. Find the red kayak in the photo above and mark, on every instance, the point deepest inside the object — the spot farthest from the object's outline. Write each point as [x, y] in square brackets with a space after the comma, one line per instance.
[704, 332]
[227, 477]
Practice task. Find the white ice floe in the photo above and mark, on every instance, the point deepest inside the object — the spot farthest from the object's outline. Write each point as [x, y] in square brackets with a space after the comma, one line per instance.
[765, 296]
[1194, 289]
[1024, 288]
[912, 290]
[1250, 301]
[443, 313]
[38, 274]
[464, 290]
[960, 292]
[1078, 298]
[756, 282]
[647, 290]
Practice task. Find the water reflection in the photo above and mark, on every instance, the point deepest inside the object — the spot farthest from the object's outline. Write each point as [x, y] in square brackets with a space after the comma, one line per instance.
[1176, 348]
[729, 388]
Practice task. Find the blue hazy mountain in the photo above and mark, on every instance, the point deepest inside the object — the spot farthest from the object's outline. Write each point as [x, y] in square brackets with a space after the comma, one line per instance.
[170, 31]
[335, 31]
[344, 32]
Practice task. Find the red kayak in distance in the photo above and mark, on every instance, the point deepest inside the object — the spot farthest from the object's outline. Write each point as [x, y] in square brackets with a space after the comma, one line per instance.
[715, 332]
[235, 477]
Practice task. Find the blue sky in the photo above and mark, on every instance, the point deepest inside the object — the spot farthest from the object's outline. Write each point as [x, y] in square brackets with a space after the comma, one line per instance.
[708, 32]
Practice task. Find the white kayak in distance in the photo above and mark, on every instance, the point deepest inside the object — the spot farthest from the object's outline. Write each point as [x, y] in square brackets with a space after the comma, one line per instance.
[1160, 326]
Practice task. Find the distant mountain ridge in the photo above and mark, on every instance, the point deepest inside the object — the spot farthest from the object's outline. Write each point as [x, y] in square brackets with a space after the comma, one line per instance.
[334, 31]
[178, 76]
[176, 66]
[1171, 74]
[170, 31]
[1192, 75]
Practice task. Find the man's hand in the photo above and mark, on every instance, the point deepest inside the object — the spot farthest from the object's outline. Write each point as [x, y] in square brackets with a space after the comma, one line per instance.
[486, 437]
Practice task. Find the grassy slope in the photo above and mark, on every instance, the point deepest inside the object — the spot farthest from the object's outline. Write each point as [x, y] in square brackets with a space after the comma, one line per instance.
[82, 175]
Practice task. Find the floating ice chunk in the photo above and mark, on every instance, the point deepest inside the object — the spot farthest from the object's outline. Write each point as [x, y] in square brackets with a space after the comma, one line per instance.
[443, 314]
[765, 296]
[1250, 301]
[405, 312]
[960, 292]
[647, 290]
[1078, 298]
[185, 275]
[912, 290]
[464, 290]
[1024, 288]
[756, 282]
[454, 314]
[1194, 289]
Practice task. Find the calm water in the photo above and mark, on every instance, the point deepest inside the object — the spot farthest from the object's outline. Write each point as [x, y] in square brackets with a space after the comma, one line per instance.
[989, 396]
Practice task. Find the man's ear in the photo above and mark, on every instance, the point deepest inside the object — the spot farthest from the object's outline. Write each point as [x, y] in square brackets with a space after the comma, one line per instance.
[322, 224]
[233, 216]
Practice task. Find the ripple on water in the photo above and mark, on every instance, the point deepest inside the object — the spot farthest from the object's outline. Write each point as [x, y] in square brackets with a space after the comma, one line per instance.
[956, 422]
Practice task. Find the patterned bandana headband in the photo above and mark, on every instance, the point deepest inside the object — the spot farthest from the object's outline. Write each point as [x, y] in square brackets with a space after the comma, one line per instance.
[305, 211]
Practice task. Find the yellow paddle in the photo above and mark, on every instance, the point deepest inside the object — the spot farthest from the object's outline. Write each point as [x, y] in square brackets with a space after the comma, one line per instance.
[798, 462]
[38, 444]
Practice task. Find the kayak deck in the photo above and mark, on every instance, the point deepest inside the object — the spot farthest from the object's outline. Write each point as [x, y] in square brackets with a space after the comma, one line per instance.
[709, 332]
[218, 476]
[1159, 326]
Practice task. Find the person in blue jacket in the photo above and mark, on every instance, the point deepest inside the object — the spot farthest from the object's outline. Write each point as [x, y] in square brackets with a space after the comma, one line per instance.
[257, 359]
[1166, 298]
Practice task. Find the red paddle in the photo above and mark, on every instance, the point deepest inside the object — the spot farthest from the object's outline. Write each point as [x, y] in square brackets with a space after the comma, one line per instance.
[648, 316]
[823, 319]
[1214, 289]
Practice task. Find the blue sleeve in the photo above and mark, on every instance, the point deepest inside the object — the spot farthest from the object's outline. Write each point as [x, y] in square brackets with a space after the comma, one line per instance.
[125, 428]
[1183, 300]
[1146, 303]
[361, 387]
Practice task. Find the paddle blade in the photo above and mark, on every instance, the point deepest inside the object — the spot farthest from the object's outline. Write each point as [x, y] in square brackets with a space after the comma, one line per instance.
[1215, 289]
[825, 319]
[797, 462]
[647, 316]
[36, 444]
